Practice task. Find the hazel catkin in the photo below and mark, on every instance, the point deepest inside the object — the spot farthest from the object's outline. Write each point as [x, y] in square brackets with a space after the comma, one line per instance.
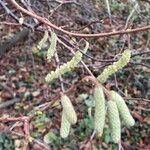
[114, 121]
[65, 126]
[100, 111]
[123, 109]
[68, 109]
[51, 50]
[111, 69]
[67, 67]
[43, 40]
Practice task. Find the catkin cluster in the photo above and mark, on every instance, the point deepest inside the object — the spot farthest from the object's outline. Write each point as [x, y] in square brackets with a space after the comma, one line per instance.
[69, 116]
[125, 58]
[42, 44]
[123, 109]
[117, 111]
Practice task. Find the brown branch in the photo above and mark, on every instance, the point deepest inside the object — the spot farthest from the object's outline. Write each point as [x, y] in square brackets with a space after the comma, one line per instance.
[72, 51]
[10, 23]
[45, 21]
[141, 64]
[60, 76]
[96, 83]
[13, 15]
[6, 119]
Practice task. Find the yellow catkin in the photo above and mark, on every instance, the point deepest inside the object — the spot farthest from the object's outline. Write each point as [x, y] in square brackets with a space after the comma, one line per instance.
[86, 47]
[100, 111]
[114, 121]
[67, 67]
[65, 126]
[123, 61]
[51, 50]
[68, 109]
[43, 40]
[123, 109]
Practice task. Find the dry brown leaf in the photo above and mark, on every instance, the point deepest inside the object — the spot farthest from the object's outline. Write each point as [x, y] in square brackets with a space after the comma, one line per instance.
[6, 95]
[147, 120]
[36, 93]
[137, 116]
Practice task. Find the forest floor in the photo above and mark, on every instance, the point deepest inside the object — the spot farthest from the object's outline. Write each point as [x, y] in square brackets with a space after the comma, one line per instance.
[24, 92]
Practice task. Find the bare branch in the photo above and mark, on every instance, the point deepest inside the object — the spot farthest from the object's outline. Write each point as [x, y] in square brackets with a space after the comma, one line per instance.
[98, 35]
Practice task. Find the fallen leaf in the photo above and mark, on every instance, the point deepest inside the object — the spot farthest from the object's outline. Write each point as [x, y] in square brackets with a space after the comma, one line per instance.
[36, 93]
[137, 116]
[6, 95]
[147, 120]
[21, 90]
[3, 78]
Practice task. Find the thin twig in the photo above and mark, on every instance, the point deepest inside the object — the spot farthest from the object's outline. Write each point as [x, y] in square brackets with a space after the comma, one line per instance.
[109, 11]
[141, 64]
[10, 23]
[13, 15]
[47, 22]
[60, 77]
[145, 51]
[72, 51]
[27, 5]
[137, 99]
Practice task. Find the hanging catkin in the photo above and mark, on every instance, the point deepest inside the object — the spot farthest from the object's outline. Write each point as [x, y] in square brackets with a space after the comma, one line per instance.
[100, 112]
[114, 121]
[67, 67]
[125, 58]
[86, 46]
[65, 126]
[43, 40]
[51, 50]
[68, 109]
[123, 109]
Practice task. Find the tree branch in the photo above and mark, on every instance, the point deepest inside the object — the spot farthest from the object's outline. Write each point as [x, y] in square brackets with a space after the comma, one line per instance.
[98, 35]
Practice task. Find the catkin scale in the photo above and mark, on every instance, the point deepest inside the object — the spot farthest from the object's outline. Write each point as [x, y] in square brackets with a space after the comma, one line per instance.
[65, 126]
[68, 109]
[125, 58]
[123, 109]
[100, 112]
[114, 121]
[51, 50]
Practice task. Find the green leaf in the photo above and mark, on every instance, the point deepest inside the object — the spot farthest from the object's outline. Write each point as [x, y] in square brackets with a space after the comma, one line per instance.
[50, 137]
[90, 101]
[94, 147]
[83, 96]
